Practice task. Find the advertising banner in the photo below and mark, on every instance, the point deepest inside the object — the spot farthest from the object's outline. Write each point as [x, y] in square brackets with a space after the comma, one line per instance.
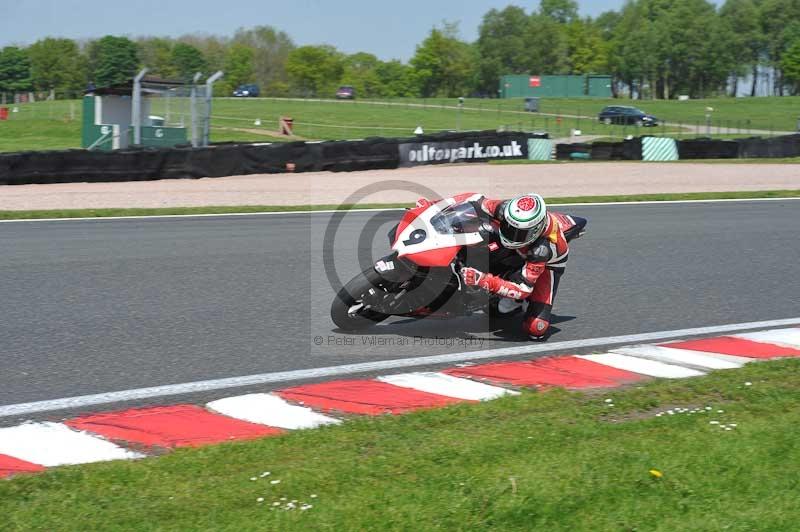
[463, 151]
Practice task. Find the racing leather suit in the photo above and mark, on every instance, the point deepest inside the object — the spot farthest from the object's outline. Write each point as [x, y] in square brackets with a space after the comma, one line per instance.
[544, 263]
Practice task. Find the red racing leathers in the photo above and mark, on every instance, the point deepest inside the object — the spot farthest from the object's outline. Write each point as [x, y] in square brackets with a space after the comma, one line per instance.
[537, 280]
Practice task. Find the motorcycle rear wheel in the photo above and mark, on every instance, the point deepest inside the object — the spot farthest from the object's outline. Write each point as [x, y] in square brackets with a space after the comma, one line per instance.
[344, 311]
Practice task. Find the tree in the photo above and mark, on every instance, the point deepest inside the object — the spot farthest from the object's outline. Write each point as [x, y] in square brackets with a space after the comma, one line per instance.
[444, 65]
[57, 64]
[790, 64]
[545, 46]
[187, 60]
[607, 22]
[238, 67]
[271, 49]
[214, 49]
[501, 46]
[780, 26]
[561, 11]
[155, 53]
[315, 70]
[397, 80]
[742, 19]
[631, 56]
[586, 50]
[15, 70]
[361, 71]
[112, 60]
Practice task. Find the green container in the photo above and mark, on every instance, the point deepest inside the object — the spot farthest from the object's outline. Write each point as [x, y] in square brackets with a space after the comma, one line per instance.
[526, 86]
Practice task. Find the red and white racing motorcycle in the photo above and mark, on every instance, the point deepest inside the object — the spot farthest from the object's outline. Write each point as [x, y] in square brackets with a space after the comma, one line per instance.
[420, 278]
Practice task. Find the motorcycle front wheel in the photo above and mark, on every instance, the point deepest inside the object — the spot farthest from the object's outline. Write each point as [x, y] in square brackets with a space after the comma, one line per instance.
[347, 310]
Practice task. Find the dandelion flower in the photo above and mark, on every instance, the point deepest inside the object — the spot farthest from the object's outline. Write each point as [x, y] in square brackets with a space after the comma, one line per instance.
[655, 473]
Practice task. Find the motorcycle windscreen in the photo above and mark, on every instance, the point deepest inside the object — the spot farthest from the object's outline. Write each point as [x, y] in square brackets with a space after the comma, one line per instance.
[457, 219]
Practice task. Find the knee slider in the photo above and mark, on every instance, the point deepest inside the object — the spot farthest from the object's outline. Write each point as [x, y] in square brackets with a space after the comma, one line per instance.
[536, 327]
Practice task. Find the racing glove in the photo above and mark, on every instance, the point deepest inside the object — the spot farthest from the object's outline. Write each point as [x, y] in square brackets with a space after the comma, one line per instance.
[494, 284]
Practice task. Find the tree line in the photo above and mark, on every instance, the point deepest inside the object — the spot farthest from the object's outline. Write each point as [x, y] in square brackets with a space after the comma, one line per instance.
[652, 48]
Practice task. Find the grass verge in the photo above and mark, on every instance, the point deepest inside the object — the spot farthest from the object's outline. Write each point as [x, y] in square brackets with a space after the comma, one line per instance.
[172, 211]
[556, 460]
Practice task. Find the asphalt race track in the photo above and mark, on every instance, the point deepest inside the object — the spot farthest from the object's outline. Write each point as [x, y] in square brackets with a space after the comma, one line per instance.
[105, 305]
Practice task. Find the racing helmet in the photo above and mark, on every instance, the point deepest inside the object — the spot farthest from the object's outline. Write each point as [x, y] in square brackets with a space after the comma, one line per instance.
[524, 220]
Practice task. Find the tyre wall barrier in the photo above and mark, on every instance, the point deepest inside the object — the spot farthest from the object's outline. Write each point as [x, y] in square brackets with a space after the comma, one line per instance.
[756, 147]
[603, 151]
[40, 167]
[708, 149]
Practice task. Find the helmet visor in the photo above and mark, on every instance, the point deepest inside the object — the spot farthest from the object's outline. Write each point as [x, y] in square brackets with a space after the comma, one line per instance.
[519, 236]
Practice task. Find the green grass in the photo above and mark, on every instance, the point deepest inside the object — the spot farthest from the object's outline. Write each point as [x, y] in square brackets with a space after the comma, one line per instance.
[39, 134]
[540, 461]
[47, 125]
[776, 113]
[170, 211]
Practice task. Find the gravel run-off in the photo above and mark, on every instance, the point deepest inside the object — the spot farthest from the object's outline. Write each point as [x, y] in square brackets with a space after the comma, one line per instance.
[407, 184]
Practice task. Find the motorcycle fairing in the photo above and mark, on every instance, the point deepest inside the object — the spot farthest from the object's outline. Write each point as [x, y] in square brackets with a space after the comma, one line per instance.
[418, 241]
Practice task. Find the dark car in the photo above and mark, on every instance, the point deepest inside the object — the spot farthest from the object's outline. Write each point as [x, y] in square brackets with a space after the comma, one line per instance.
[245, 91]
[346, 92]
[628, 116]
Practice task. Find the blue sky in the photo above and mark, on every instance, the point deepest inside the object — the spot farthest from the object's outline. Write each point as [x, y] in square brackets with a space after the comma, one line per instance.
[388, 29]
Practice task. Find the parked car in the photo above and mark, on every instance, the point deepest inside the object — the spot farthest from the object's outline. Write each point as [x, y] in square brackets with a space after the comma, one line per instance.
[248, 90]
[622, 115]
[346, 92]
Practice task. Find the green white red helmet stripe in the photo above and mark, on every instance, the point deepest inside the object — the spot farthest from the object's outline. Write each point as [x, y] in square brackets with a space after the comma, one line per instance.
[536, 212]
[524, 219]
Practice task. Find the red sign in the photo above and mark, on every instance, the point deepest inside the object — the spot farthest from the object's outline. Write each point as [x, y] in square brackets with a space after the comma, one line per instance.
[535, 81]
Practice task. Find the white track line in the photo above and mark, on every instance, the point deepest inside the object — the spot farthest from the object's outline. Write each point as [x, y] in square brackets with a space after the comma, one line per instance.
[787, 337]
[377, 366]
[681, 357]
[279, 213]
[271, 410]
[443, 384]
[54, 444]
[643, 366]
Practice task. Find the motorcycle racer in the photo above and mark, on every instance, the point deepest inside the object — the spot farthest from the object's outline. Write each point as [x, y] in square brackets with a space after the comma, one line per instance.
[525, 227]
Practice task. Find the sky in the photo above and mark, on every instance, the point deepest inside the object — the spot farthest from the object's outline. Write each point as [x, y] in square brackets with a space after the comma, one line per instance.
[390, 30]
